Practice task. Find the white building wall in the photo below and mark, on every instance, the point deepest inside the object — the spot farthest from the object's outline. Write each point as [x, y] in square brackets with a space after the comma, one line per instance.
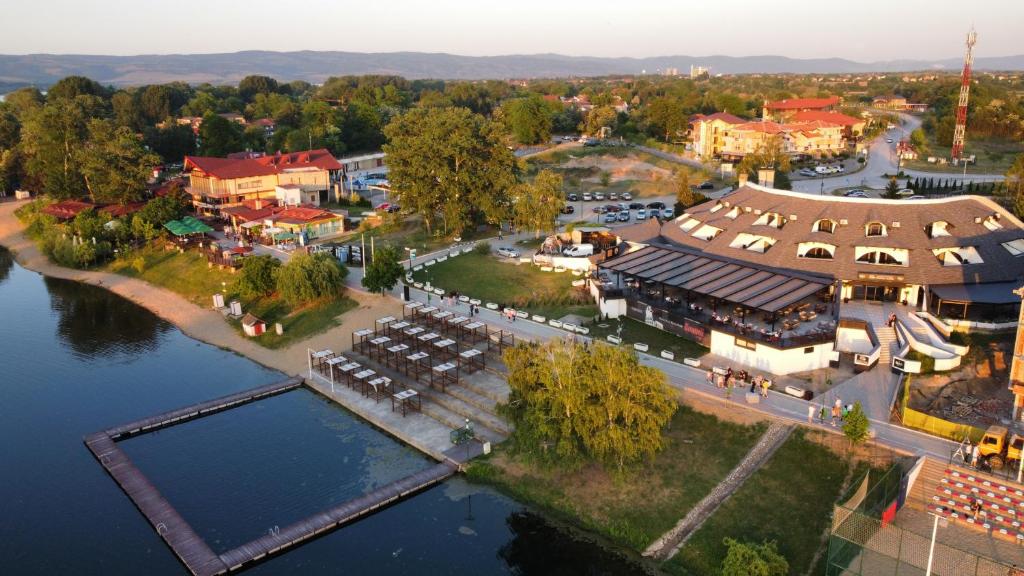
[770, 359]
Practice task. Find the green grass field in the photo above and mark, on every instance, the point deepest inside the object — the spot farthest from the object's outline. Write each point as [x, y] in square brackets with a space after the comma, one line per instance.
[640, 505]
[298, 324]
[186, 274]
[634, 331]
[789, 500]
[993, 157]
[522, 286]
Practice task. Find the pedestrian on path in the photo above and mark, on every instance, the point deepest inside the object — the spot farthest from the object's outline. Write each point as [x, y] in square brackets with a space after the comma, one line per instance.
[822, 413]
[765, 384]
[975, 456]
[810, 413]
[710, 377]
[728, 388]
[835, 415]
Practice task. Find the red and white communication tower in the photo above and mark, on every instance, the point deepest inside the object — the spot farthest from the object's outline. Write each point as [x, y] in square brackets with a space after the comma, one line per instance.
[961, 107]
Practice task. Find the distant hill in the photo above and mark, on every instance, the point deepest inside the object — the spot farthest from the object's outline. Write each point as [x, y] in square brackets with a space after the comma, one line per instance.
[44, 69]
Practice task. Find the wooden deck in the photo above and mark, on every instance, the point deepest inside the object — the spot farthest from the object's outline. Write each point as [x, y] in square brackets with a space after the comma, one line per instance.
[183, 540]
[332, 518]
[202, 409]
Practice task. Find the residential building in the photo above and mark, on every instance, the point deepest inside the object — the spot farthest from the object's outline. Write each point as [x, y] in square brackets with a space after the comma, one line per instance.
[698, 72]
[803, 138]
[852, 127]
[217, 183]
[274, 222]
[897, 103]
[708, 132]
[763, 276]
[783, 110]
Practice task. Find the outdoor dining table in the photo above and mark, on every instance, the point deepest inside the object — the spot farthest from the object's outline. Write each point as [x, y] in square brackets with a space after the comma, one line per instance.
[395, 353]
[414, 359]
[426, 338]
[444, 347]
[348, 369]
[443, 372]
[442, 315]
[320, 356]
[362, 378]
[405, 400]
[472, 359]
[379, 385]
[398, 326]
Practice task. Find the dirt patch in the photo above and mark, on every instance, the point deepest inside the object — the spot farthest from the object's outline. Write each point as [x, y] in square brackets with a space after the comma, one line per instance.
[977, 394]
[620, 169]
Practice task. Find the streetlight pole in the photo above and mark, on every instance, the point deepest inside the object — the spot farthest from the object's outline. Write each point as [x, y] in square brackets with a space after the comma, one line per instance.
[931, 547]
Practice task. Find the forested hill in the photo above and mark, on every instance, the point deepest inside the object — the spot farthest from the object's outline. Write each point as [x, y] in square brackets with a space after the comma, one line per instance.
[45, 69]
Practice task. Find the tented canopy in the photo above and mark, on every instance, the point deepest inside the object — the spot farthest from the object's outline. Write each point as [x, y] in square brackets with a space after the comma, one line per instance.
[187, 225]
[993, 293]
[284, 236]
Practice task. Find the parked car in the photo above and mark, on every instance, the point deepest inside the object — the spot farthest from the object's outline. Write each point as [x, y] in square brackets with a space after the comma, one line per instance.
[507, 252]
[624, 216]
[613, 195]
[668, 213]
[573, 198]
[626, 196]
[599, 196]
[915, 197]
[623, 206]
[707, 185]
[610, 218]
[577, 250]
[856, 194]
[905, 193]
[888, 140]
[807, 172]
[587, 197]
[568, 209]
[591, 142]
[611, 208]
[657, 205]
[636, 205]
[600, 209]
[641, 214]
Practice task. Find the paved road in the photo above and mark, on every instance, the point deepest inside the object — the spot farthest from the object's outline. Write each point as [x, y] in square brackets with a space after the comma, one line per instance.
[882, 160]
[691, 379]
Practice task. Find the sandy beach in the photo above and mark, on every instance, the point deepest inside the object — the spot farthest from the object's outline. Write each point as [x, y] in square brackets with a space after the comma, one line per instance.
[204, 324]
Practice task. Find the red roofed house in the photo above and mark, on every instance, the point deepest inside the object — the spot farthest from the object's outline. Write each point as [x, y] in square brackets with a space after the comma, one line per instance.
[67, 209]
[708, 132]
[783, 110]
[799, 138]
[852, 127]
[217, 183]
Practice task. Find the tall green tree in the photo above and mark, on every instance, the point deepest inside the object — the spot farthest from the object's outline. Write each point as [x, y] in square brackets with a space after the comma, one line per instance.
[51, 138]
[684, 194]
[384, 270]
[219, 136]
[115, 165]
[536, 205]
[259, 275]
[747, 559]
[310, 277]
[449, 164]
[255, 84]
[1015, 185]
[572, 403]
[71, 87]
[856, 425]
[529, 119]
[667, 117]
[891, 189]
[599, 117]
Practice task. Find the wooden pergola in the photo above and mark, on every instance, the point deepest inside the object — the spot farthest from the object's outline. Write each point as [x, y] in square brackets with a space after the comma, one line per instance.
[395, 355]
[382, 324]
[444, 374]
[422, 314]
[318, 358]
[395, 328]
[423, 341]
[438, 318]
[409, 310]
[451, 325]
[347, 370]
[446, 349]
[380, 386]
[409, 335]
[359, 379]
[330, 366]
[378, 347]
[406, 400]
[417, 364]
[471, 360]
[499, 339]
[361, 339]
[473, 332]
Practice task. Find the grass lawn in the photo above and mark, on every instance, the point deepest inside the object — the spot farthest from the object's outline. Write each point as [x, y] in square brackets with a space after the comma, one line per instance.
[522, 286]
[636, 331]
[635, 508]
[187, 274]
[788, 500]
[993, 157]
[410, 233]
[298, 324]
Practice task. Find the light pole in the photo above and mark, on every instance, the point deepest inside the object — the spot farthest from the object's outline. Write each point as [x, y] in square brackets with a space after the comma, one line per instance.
[931, 547]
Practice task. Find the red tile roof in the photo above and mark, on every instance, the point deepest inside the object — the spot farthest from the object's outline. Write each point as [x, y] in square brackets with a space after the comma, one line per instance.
[303, 214]
[249, 214]
[825, 116]
[723, 116]
[67, 209]
[803, 103]
[228, 168]
[118, 210]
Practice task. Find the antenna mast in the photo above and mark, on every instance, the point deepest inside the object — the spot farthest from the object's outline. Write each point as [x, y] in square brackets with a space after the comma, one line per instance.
[961, 107]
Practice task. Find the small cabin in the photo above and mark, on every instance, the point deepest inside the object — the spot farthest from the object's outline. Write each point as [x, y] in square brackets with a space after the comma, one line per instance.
[253, 326]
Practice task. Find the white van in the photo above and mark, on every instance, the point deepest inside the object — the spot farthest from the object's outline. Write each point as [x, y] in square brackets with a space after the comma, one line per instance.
[579, 250]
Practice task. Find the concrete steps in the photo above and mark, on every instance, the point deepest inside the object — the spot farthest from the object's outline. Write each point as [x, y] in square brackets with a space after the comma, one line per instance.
[887, 341]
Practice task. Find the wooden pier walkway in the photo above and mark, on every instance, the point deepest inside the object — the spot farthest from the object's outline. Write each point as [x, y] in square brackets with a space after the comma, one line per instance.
[332, 518]
[183, 540]
[191, 549]
[202, 409]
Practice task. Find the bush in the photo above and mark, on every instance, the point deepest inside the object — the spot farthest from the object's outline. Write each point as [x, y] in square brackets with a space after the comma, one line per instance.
[482, 248]
[259, 275]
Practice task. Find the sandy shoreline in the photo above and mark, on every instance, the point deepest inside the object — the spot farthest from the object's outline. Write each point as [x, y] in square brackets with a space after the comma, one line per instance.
[200, 323]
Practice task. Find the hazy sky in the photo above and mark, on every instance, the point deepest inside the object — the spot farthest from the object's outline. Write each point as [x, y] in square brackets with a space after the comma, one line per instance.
[865, 30]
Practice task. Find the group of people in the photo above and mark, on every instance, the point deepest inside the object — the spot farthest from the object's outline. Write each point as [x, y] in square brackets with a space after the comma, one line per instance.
[728, 379]
[838, 412]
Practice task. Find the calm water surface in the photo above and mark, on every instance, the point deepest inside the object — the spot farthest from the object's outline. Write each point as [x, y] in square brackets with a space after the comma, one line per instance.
[76, 359]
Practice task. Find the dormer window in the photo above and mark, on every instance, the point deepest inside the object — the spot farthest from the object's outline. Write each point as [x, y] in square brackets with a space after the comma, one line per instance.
[752, 242]
[958, 256]
[716, 207]
[883, 256]
[938, 229]
[732, 214]
[1015, 247]
[815, 250]
[993, 223]
[707, 233]
[875, 229]
[825, 225]
[773, 219]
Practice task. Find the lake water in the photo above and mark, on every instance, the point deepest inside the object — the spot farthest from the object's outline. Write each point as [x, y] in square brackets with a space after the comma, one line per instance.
[76, 359]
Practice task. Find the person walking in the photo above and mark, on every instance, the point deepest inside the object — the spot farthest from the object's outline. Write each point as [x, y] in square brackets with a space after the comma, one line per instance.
[765, 384]
[810, 413]
[710, 377]
[822, 412]
[835, 415]
[975, 456]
